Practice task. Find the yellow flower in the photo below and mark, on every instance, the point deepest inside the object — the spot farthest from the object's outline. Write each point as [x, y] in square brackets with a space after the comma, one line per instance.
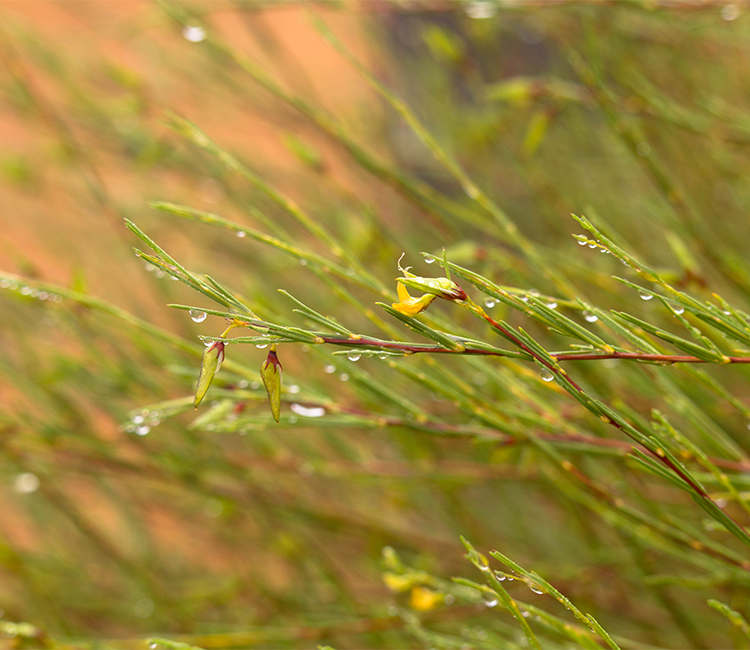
[423, 599]
[411, 306]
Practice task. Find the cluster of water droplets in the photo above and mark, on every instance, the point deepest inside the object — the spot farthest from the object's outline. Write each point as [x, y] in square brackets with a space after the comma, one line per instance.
[152, 268]
[141, 423]
[26, 290]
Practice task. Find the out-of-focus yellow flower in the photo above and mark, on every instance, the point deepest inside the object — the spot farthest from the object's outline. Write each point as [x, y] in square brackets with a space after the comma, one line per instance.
[423, 599]
[411, 306]
[397, 582]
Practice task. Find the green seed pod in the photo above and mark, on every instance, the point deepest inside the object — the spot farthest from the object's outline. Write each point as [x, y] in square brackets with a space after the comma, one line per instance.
[213, 355]
[270, 373]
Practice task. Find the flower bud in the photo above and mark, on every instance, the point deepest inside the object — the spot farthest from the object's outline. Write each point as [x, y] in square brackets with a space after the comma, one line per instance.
[213, 355]
[270, 373]
[438, 287]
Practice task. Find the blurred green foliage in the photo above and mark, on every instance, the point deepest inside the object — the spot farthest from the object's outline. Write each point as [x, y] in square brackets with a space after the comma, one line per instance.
[280, 146]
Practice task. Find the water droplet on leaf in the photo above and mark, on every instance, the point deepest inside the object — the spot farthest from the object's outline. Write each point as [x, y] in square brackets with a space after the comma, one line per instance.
[547, 374]
[329, 370]
[197, 316]
[307, 412]
[429, 259]
[26, 483]
[489, 598]
[194, 33]
[645, 295]
[353, 356]
[589, 317]
[490, 303]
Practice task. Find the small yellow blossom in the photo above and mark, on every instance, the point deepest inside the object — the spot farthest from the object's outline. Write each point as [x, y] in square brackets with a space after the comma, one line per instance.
[411, 306]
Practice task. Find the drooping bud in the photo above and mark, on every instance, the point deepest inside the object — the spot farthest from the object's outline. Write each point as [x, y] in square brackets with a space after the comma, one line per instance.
[270, 373]
[438, 287]
[213, 355]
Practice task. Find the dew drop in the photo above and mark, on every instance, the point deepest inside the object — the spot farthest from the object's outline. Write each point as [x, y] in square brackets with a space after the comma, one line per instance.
[581, 242]
[547, 374]
[535, 588]
[194, 33]
[722, 503]
[645, 295]
[294, 389]
[353, 356]
[243, 383]
[329, 370]
[480, 10]
[344, 377]
[490, 303]
[241, 234]
[552, 305]
[303, 262]
[534, 292]
[429, 259]
[489, 598]
[197, 316]
[255, 385]
[25, 291]
[499, 576]
[307, 412]
[138, 419]
[260, 346]
[730, 12]
[449, 599]
[383, 356]
[592, 245]
[678, 309]
[142, 430]
[143, 608]
[589, 317]
[26, 483]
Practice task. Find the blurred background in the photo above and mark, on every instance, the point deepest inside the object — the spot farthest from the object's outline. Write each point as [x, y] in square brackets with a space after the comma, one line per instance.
[120, 519]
